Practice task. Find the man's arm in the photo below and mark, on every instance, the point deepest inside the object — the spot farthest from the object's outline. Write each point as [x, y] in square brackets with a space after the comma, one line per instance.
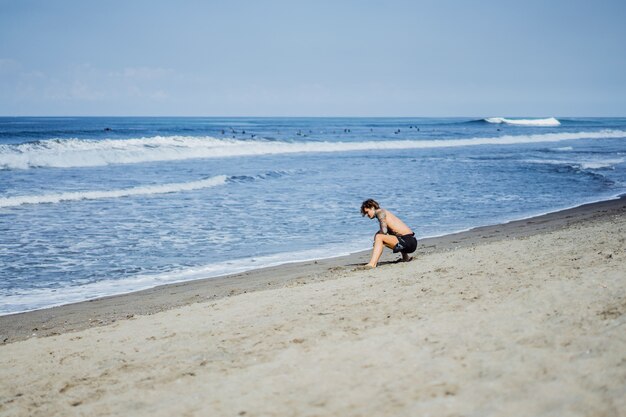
[382, 219]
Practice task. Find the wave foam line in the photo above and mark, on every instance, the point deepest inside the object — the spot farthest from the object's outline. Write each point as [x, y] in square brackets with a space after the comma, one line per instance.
[70, 153]
[127, 192]
[583, 165]
[22, 300]
[550, 121]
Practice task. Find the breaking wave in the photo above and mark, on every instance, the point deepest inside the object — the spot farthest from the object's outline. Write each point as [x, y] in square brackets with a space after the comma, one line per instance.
[68, 153]
[125, 192]
[580, 165]
[550, 121]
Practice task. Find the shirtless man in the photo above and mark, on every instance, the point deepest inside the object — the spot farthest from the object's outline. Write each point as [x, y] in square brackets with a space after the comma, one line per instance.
[393, 233]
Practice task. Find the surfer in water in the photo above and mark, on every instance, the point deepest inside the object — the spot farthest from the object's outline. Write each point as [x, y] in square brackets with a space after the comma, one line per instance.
[393, 233]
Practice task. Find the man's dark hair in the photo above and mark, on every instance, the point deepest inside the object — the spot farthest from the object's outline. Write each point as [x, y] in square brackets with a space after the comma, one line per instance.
[369, 203]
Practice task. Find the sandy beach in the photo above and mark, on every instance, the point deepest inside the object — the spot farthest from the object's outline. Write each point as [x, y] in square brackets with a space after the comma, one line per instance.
[525, 318]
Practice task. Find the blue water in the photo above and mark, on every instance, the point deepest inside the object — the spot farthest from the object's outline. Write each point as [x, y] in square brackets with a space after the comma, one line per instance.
[99, 206]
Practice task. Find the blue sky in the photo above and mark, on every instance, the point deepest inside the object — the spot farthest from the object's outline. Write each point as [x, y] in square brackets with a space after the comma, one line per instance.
[313, 58]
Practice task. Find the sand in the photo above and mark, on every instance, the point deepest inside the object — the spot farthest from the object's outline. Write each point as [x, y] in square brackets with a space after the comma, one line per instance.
[526, 318]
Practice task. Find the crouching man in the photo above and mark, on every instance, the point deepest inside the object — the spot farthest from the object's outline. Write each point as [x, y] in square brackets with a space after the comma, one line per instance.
[393, 233]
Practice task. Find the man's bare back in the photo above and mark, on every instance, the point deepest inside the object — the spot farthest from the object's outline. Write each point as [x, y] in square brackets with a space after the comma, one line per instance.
[389, 223]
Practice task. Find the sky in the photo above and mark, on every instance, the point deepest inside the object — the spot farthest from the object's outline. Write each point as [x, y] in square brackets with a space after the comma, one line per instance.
[312, 58]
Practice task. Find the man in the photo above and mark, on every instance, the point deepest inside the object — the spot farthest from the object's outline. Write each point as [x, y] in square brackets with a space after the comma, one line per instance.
[393, 233]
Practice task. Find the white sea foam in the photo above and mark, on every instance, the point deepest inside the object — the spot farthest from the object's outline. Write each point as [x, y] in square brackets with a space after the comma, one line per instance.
[125, 192]
[550, 121]
[83, 153]
[608, 164]
[591, 165]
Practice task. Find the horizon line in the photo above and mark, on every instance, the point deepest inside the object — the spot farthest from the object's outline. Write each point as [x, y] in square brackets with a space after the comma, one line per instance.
[308, 117]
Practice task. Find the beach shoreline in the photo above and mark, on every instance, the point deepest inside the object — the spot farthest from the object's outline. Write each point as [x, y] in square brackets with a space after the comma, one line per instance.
[106, 310]
[524, 318]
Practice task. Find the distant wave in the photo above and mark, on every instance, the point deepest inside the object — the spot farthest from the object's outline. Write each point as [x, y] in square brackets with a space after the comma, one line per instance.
[265, 175]
[67, 153]
[126, 192]
[581, 165]
[550, 121]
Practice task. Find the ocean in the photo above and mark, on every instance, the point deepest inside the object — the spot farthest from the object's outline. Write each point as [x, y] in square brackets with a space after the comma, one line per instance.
[91, 206]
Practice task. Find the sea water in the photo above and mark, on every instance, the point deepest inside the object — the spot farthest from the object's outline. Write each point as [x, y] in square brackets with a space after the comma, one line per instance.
[99, 206]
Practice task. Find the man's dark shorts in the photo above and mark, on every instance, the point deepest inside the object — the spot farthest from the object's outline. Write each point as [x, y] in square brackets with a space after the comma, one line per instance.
[406, 244]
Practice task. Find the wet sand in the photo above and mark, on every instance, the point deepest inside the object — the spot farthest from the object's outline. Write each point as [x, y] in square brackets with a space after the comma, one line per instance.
[525, 318]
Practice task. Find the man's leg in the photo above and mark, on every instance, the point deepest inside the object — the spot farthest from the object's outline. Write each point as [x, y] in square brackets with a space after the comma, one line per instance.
[379, 240]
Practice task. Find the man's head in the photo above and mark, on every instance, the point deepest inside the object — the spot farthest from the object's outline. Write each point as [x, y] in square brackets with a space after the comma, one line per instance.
[369, 207]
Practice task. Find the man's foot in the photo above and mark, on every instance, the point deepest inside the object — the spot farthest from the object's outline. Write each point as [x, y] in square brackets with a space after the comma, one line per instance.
[406, 258]
[364, 267]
